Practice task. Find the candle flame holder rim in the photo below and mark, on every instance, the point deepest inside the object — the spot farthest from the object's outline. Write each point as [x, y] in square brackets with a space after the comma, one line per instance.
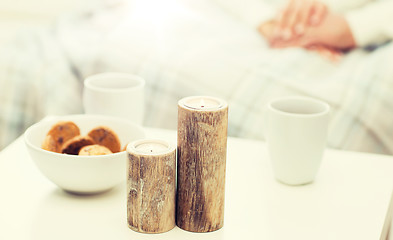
[131, 147]
[222, 103]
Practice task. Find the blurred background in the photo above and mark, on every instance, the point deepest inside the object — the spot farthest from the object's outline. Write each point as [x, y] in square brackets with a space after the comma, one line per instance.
[17, 15]
[193, 47]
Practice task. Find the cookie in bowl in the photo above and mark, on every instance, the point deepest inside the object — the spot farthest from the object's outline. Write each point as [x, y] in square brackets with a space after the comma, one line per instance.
[105, 136]
[94, 150]
[74, 145]
[60, 133]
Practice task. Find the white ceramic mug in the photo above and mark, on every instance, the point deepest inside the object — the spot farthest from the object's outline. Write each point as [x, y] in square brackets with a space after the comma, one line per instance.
[115, 94]
[296, 134]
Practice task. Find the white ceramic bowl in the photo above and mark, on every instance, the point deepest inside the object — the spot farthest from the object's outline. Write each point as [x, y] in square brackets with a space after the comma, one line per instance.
[82, 174]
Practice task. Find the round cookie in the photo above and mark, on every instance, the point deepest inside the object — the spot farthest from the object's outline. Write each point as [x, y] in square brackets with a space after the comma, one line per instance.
[106, 137]
[60, 133]
[50, 144]
[74, 145]
[94, 150]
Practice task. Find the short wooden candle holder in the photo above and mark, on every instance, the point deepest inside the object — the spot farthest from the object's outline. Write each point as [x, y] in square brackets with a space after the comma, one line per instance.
[151, 186]
[202, 142]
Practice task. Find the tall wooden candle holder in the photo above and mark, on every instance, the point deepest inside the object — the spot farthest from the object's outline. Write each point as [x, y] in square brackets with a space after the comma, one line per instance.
[202, 142]
[151, 186]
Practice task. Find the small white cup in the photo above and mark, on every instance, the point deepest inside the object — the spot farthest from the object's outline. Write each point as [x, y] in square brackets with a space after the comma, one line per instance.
[115, 94]
[296, 135]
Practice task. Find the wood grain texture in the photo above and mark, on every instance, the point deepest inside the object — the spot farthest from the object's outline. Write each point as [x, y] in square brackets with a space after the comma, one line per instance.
[202, 142]
[151, 189]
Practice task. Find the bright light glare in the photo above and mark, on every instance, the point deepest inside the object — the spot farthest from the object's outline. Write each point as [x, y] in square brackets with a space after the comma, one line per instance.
[157, 12]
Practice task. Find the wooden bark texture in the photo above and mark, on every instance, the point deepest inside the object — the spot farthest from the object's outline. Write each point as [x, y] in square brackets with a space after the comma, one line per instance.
[151, 191]
[202, 143]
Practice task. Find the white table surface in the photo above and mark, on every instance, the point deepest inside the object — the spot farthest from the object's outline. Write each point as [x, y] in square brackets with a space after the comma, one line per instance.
[350, 199]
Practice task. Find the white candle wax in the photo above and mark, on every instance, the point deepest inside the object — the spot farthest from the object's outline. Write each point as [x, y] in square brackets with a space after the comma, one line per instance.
[202, 102]
[151, 147]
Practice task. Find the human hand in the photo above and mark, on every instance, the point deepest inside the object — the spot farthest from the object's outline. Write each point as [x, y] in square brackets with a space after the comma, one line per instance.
[333, 54]
[296, 16]
[266, 29]
[333, 32]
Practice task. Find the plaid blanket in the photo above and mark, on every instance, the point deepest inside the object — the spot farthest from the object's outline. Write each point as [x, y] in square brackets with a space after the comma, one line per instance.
[36, 79]
[195, 48]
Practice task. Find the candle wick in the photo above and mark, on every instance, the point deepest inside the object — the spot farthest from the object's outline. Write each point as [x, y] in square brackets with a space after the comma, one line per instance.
[202, 103]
